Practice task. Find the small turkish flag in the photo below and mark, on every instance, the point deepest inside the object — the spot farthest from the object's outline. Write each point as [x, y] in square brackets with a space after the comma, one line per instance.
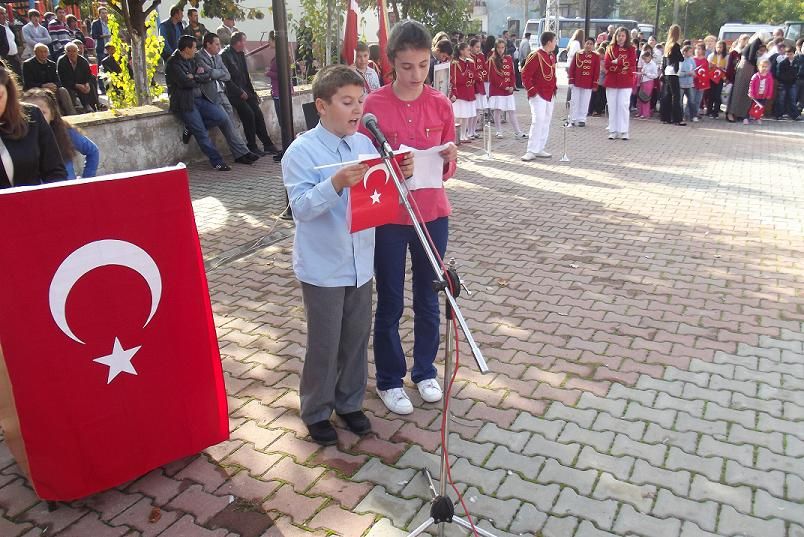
[716, 75]
[701, 72]
[107, 332]
[375, 201]
[756, 111]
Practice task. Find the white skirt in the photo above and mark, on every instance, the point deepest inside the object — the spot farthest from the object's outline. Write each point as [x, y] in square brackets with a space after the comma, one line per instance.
[502, 102]
[481, 101]
[464, 109]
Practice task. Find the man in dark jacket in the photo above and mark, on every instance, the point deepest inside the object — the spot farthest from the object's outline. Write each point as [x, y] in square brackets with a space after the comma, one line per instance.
[786, 93]
[171, 29]
[100, 32]
[184, 79]
[40, 72]
[75, 76]
[244, 99]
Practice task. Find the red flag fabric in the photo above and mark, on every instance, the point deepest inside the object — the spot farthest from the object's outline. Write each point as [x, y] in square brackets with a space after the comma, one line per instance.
[350, 34]
[716, 75]
[107, 330]
[385, 64]
[375, 201]
[756, 111]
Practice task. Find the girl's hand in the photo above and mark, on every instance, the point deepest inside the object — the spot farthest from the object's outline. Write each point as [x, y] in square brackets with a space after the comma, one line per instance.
[450, 153]
[453, 98]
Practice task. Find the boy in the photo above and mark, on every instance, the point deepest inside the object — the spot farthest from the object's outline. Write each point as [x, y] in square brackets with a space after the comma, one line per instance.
[786, 79]
[686, 72]
[584, 71]
[335, 268]
[371, 80]
[539, 78]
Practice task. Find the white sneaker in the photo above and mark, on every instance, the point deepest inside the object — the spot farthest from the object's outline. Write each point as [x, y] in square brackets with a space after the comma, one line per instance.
[543, 154]
[429, 390]
[527, 157]
[499, 135]
[396, 400]
[623, 136]
[520, 135]
[612, 136]
[695, 120]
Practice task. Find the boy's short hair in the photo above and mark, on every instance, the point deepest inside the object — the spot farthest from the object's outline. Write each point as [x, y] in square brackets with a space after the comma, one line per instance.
[778, 41]
[685, 48]
[34, 13]
[700, 46]
[547, 37]
[185, 42]
[647, 55]
[589, 40]
[444, 47]
[331, 78]
[361, 47]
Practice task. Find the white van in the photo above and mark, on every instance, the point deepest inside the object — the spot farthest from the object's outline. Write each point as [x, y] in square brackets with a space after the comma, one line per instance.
[732, 30]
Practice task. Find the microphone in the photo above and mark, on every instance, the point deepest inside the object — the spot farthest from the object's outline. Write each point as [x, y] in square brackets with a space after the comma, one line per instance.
[370, 122]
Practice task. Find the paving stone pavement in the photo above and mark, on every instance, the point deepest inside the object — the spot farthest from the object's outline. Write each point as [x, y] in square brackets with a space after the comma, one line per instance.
[641, 312]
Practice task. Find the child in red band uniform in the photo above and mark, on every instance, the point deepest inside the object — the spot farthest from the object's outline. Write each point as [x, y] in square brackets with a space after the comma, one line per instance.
[539, 78]
[501, 87]
[462, 90]
[620, 64]
[584, 71]
[481, 81]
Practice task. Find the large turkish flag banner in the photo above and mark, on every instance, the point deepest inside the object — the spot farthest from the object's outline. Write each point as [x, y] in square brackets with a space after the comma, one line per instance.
[107, 331]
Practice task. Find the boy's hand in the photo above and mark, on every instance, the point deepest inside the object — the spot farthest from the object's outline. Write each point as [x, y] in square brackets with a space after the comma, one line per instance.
[406, 166]
[348, 176]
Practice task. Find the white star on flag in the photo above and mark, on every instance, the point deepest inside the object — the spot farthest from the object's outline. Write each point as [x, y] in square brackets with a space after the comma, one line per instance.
[119, 361]
[375, 198]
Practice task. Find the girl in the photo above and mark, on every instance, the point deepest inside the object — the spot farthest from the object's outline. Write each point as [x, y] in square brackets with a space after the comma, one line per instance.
[701, 80]
[501, 88]
[647, 78]
[462, 91]
[620, 66]
[686, 74]
[416, 115]
[671, 101]
[761, 87]
[576, 44]
[481, 83]
[717, 60]
[584, 71]
[68, 139]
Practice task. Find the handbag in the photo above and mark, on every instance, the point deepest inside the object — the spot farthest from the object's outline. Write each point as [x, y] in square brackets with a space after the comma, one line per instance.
[643, 96]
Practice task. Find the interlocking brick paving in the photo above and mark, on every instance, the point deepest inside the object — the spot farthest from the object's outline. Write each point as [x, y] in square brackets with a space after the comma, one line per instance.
[641, 312]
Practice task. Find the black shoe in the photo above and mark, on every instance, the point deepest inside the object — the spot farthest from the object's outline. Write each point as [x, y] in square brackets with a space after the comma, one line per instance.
[323, 433]
[357, 422]
[244, 159]
[257, 152]
[222, 167]
[253, 157]
[270, 149]
[185, 136]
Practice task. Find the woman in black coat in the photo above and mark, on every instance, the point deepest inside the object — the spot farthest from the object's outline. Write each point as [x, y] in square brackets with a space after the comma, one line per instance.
[29, 154]
[671, 100]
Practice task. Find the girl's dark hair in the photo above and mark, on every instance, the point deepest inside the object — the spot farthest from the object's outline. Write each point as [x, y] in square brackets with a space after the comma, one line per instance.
[628, 43]
[458, 48]
[488, 46]
[408, 35]
[498, 60]
[474, 41]
[59, 126]
[14, 121]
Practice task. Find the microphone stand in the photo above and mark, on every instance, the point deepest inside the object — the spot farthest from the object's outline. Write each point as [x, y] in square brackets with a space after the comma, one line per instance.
[448, 282]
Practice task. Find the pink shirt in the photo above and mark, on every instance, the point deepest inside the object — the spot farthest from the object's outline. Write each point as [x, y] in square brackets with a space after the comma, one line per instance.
[761, 86]
[423, 123]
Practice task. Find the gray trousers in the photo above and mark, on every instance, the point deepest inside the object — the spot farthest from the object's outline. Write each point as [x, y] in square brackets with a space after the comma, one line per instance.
[336, 361]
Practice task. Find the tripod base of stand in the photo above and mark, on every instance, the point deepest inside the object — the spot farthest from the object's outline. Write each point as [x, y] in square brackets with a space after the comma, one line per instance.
[442, 511]
[565, 158]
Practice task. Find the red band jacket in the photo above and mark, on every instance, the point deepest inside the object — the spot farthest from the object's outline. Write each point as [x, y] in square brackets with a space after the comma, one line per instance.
[462, 79]
[482, 73]
[584, 70]
[620, 74]
[539, 75]
[501, 79]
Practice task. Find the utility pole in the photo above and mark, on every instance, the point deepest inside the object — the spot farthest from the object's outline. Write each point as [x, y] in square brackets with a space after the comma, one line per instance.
[586, 16]
[328, 38]
[675, 11]
[656, 22]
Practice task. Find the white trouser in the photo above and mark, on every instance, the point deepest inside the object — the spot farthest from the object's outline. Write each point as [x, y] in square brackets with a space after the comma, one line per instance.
[540, 113]
[619, 99]
[579, 104]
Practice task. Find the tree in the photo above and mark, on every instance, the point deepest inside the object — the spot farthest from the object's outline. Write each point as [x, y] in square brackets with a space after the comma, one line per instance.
[436, 15]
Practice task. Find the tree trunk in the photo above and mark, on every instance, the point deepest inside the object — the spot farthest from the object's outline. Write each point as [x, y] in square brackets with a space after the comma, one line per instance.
[139, 68]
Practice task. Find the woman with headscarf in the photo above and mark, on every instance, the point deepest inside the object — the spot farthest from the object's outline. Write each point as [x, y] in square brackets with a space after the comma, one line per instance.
[739, 101]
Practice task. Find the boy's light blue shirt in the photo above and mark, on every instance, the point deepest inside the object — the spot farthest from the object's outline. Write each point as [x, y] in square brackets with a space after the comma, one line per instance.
[685, 72]
[324, 252]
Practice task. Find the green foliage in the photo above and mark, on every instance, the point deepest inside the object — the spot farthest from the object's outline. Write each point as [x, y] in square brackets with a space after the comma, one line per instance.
[311, 29]
[705, 17]
[438, 15]
[121, 90]
[221, 8]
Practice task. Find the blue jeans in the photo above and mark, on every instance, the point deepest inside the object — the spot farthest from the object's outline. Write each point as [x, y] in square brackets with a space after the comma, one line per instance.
[390, 253]
[787, 101]
[198, 120]
[215, 116]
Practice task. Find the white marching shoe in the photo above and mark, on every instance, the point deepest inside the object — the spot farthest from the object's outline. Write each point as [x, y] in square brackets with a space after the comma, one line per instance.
[396, 400]
[429, 390]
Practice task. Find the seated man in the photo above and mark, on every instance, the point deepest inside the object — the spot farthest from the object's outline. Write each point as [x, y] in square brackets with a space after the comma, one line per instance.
[243, 97]
[184, 79]
[75, 75]
[59, 34]
[40, 72]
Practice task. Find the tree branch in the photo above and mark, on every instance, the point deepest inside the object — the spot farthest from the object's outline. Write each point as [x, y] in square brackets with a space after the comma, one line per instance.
[115, 7]
[152, 7]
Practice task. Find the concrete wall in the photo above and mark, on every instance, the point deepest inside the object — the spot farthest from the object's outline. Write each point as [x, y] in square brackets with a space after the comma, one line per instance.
[150, 137]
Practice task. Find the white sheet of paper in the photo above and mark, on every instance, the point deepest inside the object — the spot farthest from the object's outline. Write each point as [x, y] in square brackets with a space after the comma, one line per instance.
[428, 167]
